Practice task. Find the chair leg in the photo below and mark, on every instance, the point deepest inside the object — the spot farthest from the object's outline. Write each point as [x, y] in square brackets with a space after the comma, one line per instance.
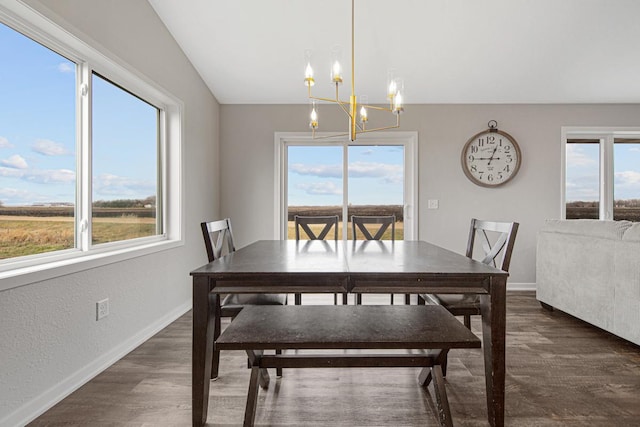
[407, 299]
[358, 299]
[421, 300]
[345, 300]
[443, 363]
[391, 299]
[467, 321]
[279, 370]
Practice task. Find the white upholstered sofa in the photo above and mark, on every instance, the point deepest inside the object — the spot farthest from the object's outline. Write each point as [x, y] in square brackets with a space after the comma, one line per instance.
[591, 270]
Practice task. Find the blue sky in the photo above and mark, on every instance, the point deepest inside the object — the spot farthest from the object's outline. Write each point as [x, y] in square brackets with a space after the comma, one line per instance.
[375, 175]
[583, 172]
[38, 131]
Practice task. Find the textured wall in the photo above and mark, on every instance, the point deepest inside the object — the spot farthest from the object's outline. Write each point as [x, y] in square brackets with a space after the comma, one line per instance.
[49, 338]
[530, 198]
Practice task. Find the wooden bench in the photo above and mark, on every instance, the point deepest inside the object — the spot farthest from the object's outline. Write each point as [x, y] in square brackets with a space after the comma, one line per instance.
[430, 328]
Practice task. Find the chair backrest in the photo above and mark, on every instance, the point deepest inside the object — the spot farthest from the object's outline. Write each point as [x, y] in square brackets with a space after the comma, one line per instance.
[218, 238]
[497, 240]
[361, 222]
[303, 222]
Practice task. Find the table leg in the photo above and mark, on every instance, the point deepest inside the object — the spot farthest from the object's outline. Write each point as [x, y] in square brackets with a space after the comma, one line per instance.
[202, 350]
[493, 308]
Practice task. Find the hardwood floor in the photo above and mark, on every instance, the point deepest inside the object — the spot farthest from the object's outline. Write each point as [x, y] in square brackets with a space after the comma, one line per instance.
[560, 372]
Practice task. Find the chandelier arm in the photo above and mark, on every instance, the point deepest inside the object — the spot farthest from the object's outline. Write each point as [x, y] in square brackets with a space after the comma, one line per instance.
[382, 128]
[373, 107]
[342, 104]
[335, 101]
[330, 136]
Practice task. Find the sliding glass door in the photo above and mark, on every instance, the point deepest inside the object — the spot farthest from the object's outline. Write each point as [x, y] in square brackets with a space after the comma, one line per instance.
[368, 177]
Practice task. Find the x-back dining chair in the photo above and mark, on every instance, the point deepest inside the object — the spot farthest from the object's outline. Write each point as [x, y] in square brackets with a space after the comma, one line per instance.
[497, 240]
[374, 228]
[303, 226]
[218, 240]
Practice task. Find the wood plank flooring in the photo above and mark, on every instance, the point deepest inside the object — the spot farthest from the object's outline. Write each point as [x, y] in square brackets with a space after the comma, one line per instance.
[560, 372]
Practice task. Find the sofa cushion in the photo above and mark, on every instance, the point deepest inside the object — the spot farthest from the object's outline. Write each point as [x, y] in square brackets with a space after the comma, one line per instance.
[588, 227]
[633, 233]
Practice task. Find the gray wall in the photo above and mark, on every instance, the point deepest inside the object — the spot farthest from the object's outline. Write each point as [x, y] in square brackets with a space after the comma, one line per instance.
[247, 160]
[50, 341]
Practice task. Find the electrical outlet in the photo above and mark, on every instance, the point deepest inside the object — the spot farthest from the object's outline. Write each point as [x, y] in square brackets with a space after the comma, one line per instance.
[102, 308]
[432, 204]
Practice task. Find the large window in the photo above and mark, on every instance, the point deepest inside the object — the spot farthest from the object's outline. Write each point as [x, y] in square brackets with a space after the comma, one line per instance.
[375, 175]
[602, 174]
[86, 147]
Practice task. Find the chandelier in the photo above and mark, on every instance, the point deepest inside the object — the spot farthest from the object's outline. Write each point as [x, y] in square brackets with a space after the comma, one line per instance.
[357, 119]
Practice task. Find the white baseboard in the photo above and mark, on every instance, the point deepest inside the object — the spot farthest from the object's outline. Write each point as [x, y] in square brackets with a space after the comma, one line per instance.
[521, 286]
[36, 407]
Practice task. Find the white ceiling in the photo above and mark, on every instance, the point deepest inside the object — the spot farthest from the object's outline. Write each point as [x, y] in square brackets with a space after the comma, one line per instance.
[447, 51]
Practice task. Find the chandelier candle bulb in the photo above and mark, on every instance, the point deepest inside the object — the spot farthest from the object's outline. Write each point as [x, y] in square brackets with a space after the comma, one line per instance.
[336, 68]
[313, 124]
[308, 76]
[363, 109]
[308, 71]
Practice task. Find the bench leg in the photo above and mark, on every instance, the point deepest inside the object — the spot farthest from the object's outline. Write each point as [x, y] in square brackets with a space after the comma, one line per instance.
[254, 361]
[444, 413]
[425, 376]
[252, 397]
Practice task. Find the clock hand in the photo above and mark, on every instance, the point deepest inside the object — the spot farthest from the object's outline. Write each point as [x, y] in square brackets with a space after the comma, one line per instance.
[492, 154]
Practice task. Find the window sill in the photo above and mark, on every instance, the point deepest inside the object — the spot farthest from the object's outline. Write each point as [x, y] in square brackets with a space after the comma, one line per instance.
[49, 270]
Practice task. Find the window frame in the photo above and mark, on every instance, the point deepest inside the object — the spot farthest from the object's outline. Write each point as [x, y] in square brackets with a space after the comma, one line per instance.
[407, 139]
[607, 137]
[20, 271]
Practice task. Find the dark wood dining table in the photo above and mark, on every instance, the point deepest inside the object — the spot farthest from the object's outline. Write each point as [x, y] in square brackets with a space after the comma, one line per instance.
[317, 266]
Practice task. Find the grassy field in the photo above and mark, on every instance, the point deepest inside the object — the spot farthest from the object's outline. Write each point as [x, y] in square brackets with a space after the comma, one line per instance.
[21, 236]
[629, 214]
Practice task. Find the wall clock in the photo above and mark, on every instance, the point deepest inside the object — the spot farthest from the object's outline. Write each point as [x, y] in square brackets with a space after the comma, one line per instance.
[491, 158]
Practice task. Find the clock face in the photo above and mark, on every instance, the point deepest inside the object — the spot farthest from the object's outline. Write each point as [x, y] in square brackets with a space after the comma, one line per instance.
[491, 158]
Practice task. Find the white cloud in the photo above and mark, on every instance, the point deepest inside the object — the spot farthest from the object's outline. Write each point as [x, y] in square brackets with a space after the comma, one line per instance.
[109, 185]
[13, 196]
[49, 148]
[577, 157]
[323, 171]
[4, 143]
[11, 172]
[628, 177]
[367, 152]
[51, 176]
[16, 162]
[66, 67]
[320, 188]
[631, 149]
[627, 185]
[583, 188]
[391, 173]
